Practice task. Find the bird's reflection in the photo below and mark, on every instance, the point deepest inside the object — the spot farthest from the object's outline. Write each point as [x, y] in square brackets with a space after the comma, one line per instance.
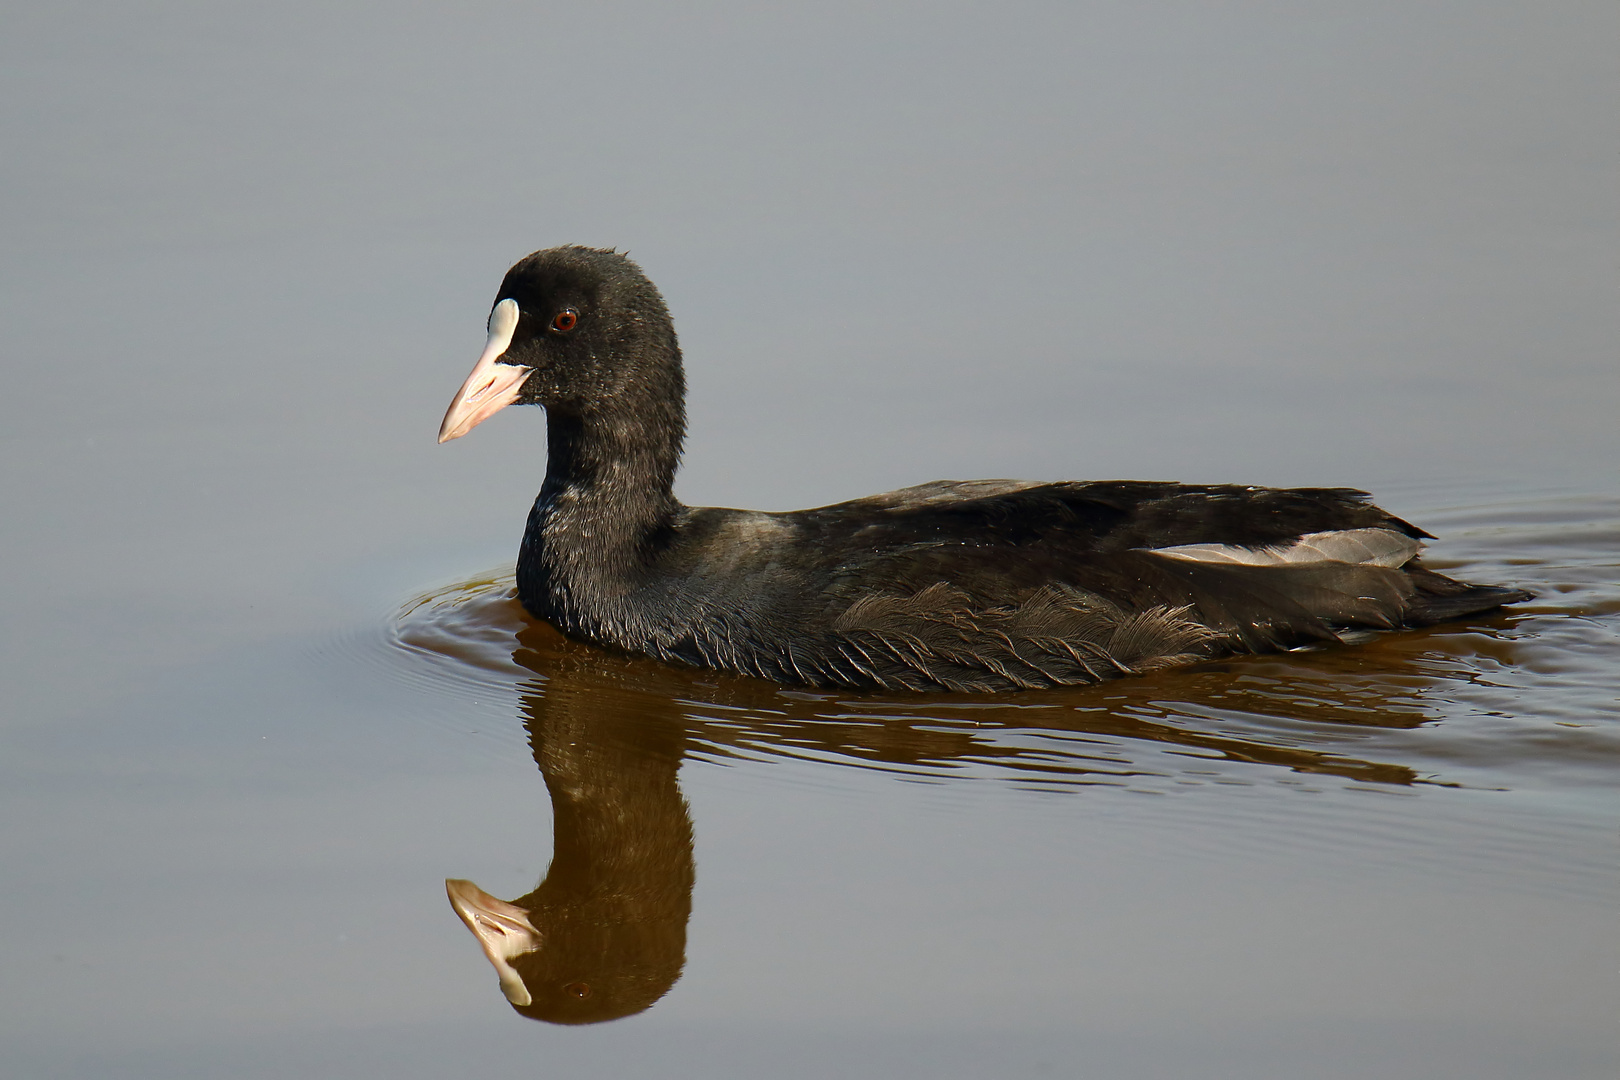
[604, 935]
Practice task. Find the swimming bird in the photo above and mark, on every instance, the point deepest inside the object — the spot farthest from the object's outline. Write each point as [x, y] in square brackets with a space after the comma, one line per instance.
[954, 586]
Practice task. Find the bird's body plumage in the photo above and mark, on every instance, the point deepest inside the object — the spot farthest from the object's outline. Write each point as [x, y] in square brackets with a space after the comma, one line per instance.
[952, 586]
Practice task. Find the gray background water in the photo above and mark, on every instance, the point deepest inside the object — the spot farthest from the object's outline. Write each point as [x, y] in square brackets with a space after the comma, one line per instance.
[248, 254]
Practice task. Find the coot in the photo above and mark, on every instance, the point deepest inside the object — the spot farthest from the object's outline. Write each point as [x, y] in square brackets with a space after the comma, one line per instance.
[980, 585]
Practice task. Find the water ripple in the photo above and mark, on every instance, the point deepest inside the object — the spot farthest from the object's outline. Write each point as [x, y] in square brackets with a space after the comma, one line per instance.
[1522, 700]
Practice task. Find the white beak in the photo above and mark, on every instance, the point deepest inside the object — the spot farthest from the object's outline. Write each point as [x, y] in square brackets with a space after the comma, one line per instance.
[503, 931]
[492, 386]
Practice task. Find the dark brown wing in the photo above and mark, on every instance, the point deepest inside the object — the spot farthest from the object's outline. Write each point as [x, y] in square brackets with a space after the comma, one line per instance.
[1102, 516]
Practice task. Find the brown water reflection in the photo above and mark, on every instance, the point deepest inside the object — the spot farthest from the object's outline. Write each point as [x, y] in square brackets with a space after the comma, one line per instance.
[603, 936]
[1296, 711]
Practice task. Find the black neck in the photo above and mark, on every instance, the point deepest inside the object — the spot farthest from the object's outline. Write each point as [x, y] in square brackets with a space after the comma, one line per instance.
[607, 506]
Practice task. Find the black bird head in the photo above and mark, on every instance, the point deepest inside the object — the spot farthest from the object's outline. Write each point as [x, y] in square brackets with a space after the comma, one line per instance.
[578, 330]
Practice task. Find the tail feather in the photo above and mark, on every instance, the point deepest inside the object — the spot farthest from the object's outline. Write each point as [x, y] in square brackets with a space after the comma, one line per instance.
[1439, 598]
[1282, 606]
[1428, 609]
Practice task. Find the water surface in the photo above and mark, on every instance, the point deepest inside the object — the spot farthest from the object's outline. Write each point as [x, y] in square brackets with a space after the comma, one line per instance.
[1433, 804]
[263, 689]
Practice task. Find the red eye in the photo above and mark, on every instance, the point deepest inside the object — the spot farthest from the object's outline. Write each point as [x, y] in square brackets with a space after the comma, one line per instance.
[578, 989]
[565, 320]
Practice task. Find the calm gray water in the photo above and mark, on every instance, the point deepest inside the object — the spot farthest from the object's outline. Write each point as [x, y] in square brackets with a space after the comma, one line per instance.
[264, 689]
